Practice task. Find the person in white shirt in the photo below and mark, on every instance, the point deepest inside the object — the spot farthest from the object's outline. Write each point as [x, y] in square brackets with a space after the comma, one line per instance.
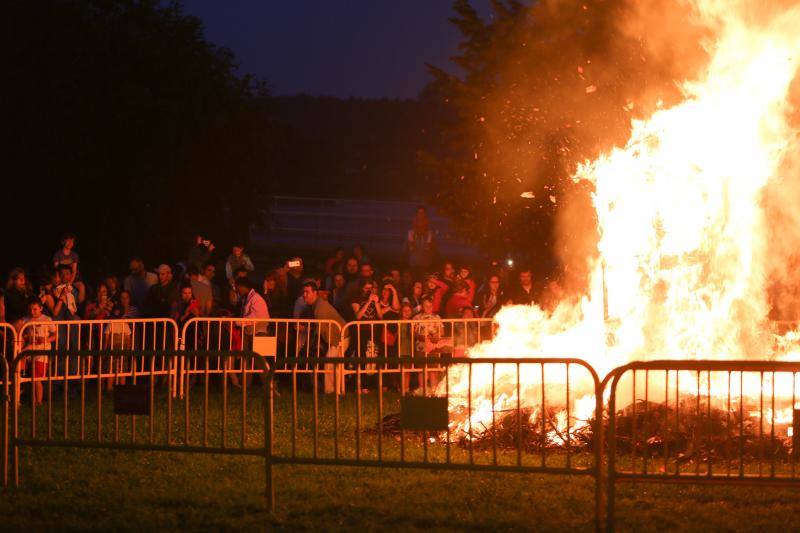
[253, 304]
[254, 313]
[38, 337]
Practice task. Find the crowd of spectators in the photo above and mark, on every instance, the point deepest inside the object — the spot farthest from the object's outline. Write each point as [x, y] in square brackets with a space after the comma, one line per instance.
[345, 287]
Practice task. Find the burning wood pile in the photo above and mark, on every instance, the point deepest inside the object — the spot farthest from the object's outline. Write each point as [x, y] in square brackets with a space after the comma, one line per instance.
[684, 435]
[702, 435]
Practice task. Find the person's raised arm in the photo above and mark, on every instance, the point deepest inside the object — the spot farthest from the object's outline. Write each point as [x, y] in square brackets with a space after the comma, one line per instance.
[61, 299]
[362, 310]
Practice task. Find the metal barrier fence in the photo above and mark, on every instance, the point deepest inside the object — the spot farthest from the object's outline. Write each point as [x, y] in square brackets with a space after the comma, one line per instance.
[104, 335]
[139, 412]
[511, 415]
[8, 343]
[417, 338]
[271, 338]
[703, 422]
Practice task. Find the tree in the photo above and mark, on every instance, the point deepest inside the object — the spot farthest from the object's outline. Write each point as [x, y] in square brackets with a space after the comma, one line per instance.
[540, 87]
[124, 125]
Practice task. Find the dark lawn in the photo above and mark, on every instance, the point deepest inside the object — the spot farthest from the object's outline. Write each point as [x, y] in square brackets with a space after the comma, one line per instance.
[69, 489]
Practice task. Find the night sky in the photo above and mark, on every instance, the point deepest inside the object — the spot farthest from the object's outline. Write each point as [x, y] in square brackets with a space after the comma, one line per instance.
[362, 48]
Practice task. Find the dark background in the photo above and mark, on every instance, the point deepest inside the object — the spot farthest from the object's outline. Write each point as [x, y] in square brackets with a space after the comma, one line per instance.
[131, 124]
[353, 48]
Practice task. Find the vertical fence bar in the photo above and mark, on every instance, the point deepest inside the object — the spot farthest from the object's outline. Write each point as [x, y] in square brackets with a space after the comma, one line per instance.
[519, 418]
[741, 424]
[760, 423]
[447, 395]
[358, 411]
[469, 420]
[772, 432]
[709, 429]
[494, 419]
[380, 413]
[645, 438]
[728, 428]
[315, 413]
[544, 421]
[269, 377]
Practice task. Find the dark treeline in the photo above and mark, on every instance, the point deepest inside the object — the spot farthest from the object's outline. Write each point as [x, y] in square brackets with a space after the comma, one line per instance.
[357, 148]
[123, 125]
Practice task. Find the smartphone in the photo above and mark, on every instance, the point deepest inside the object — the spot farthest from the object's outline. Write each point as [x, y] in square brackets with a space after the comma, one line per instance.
[294, 264]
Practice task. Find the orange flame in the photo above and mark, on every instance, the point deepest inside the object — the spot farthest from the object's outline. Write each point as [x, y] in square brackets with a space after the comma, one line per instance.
[681, 270]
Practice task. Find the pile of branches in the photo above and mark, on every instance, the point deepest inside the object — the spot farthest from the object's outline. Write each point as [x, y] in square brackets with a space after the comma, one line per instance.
[686, 434]
[529, 429]
[692, 434]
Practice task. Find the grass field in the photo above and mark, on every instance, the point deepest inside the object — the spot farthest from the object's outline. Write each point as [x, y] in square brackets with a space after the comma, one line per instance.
[71, 489]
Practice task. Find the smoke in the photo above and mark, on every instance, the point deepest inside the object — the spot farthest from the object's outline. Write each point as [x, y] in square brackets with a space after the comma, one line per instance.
[566, 80]
[639, 53]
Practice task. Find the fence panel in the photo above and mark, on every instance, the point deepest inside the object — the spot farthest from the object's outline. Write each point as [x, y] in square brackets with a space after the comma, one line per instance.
[416, 338]
[8, 343]
[134, 408]
[274, 339]
[102, 335]
[703, 422]
[515, 415]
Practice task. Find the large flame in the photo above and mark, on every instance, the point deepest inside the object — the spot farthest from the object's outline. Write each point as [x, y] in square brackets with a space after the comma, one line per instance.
[681, 270]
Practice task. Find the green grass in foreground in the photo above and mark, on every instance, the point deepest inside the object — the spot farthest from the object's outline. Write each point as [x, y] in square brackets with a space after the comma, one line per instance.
[69, 489]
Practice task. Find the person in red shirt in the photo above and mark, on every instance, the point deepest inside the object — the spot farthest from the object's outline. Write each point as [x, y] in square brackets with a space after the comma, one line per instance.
[435, 290]
[463, 294]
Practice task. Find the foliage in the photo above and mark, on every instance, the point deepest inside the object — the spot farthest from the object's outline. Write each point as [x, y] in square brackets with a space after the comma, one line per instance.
[352, 148]
[125, 126]
[539, 87]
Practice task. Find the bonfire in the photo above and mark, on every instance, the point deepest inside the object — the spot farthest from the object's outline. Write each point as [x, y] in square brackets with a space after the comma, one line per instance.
[694, 219]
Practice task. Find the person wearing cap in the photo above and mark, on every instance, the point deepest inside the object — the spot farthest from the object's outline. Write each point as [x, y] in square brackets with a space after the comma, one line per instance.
[322, 310]
[161, 296]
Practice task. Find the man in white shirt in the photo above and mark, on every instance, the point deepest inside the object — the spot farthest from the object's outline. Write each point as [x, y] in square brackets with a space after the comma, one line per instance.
[254, 312]
[253, 304]
[254, 307]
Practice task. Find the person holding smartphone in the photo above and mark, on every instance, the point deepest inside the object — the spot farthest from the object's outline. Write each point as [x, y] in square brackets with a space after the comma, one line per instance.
[101, 307]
